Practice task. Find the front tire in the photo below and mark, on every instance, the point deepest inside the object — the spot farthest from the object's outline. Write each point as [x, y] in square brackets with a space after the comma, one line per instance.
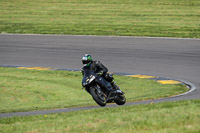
[99, 98]
[121, 100]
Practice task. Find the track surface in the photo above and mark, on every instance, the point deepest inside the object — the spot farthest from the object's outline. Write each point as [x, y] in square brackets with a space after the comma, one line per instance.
[175, 58]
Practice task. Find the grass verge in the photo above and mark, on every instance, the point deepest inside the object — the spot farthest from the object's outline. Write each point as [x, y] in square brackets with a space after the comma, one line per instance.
[23, 90]
[180, 116]
[164, 18]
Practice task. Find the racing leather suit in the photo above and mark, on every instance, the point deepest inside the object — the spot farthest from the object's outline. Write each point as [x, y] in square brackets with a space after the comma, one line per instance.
[101, 70]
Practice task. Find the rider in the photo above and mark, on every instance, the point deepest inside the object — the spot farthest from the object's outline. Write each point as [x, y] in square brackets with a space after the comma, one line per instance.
[99, 69]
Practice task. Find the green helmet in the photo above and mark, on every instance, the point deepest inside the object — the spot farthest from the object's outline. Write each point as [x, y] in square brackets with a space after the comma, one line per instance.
[86, 60]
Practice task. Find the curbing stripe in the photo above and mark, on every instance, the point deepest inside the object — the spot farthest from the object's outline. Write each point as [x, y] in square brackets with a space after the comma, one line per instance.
[142, 76]
[35, 68]
[169, 82]
[161, 80]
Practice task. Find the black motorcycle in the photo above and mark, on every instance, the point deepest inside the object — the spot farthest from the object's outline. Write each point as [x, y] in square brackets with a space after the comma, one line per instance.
[96, 86]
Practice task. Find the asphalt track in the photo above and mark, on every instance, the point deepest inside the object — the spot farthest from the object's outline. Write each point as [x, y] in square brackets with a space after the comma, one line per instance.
[167, 57]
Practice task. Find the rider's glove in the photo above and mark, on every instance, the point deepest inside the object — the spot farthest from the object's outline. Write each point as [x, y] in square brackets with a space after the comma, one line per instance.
[100, 73]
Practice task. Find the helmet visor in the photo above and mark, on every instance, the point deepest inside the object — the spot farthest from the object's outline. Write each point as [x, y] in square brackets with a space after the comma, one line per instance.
[85, 62]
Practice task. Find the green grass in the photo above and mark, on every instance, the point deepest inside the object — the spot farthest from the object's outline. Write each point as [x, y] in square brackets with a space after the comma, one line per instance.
[23, 90]
[169, 117]
[164, 18]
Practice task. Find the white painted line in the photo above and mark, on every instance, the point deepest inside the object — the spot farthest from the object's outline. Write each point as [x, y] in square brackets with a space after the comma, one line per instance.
[136, 37]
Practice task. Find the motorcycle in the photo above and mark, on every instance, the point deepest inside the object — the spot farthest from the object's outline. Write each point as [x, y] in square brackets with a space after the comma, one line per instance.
[96, 86]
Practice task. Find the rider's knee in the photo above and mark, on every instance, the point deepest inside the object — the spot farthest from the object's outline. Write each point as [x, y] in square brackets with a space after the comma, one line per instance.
[109, 77]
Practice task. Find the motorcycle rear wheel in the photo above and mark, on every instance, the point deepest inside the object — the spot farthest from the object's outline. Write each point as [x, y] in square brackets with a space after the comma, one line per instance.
[100, 99]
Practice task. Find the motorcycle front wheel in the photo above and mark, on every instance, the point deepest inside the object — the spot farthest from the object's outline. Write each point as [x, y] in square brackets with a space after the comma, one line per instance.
[99, 98]
[121, 100]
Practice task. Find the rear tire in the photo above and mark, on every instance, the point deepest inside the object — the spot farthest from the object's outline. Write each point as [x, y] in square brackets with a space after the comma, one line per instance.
[100, 99]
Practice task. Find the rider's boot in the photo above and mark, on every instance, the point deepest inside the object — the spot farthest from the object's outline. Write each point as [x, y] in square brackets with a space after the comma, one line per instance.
[115, 86]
